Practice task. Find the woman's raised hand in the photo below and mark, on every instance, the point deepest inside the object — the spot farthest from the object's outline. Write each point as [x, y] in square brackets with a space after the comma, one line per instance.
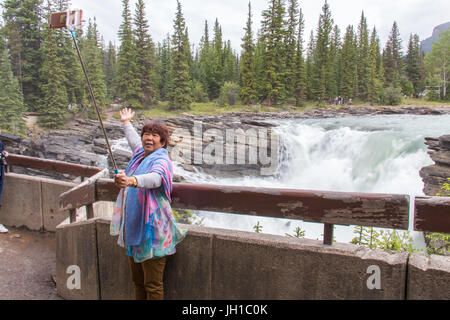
[126, 115]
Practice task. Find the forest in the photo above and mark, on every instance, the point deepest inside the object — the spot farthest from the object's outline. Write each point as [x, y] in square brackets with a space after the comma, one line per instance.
[277, 65]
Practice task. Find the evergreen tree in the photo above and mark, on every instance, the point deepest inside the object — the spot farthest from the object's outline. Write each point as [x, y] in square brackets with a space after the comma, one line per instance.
[217, 78]
[11, 100]
[247, 88]
[273, 33]
[375, 77]
[110, 70]
[349, 63]
[54, 101]
[229, 64]
[414, 64]
[299, 71]
[336, 61]
[364, 61]
[145, 55]
[291, 45]
[206, 61]
[309, 67]
[94, 66]
[392, 58]
[165, 69]
[23, 32]
[323, 80]
[180, 97]
[260, 71]
[128, 85]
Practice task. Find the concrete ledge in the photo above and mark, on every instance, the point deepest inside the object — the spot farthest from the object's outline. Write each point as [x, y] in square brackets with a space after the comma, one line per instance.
[76, 245]
[261, 266]
[32, 202]
[114, 271]
[22, 202]
[216, 263]
[428, 277]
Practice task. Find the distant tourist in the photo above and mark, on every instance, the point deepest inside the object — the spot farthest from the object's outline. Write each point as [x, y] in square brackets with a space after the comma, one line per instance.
[142, 217]
[3, 155]
[350, 101]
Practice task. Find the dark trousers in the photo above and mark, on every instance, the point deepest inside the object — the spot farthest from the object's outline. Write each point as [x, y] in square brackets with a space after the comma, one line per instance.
[147, 277]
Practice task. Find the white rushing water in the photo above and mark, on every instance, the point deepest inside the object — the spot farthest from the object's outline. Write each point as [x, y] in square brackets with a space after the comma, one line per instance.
[379, 154]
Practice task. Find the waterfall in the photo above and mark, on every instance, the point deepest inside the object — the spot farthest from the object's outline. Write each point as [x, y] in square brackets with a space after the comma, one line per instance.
[375, 154]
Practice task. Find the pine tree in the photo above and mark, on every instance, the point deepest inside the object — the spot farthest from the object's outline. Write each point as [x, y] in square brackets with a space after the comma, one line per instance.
[54, 103]
[322, 66]
[336, 61]
[260, 70]
[414, 64]
[23, 32]
[165, 69]
[309, 67]
[229, 64]
[206, 56]
[392, 58]
[349, 63]
[375, 78]
[299, 71]
[110, 70]
[291, 45]
[145, 55]
[247, 88]
[273, 33]
[128, 85]
[364, 63]
[94, 66]
[11, 100]
[180, 97]
[217, 79]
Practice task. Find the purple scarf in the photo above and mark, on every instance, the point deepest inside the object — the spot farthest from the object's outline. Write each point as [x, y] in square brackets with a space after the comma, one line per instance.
[141, 203]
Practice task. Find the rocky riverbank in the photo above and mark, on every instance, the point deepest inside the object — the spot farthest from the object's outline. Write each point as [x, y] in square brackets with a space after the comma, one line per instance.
[82, 141]
[434, 176]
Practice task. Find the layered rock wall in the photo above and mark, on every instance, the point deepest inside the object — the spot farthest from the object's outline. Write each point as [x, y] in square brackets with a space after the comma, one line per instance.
[434, 176]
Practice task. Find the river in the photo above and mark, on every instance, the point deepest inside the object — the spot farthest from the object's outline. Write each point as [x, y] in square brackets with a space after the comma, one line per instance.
[379, 154]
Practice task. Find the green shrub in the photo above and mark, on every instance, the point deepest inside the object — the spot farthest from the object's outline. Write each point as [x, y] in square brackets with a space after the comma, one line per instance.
[407, 86]
[229, 94]
[391, 96]
[198, 92]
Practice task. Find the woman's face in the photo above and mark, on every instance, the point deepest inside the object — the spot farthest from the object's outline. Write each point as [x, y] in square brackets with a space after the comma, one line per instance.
[151, 142]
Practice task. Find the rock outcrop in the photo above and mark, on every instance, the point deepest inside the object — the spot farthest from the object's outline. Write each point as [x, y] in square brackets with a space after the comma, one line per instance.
[434, 176]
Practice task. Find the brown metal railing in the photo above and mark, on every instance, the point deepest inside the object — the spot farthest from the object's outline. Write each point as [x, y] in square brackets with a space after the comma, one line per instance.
[431, 214]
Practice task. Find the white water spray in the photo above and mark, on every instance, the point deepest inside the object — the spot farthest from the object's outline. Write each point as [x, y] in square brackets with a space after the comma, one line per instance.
[375, 154]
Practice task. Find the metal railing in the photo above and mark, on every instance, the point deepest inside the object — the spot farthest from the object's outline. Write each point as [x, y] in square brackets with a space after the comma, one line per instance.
[431, 214]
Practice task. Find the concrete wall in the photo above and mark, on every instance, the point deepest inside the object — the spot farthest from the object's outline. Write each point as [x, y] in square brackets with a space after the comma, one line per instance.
[33, 202]
[214, 264]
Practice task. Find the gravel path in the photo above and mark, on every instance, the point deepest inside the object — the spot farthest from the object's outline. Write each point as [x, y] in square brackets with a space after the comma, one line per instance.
[27, 264]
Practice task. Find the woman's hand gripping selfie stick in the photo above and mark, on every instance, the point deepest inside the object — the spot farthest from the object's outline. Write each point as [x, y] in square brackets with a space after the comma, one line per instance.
[71, 19]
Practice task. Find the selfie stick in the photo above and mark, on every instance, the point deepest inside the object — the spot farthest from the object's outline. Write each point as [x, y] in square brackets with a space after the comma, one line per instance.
[71, 24]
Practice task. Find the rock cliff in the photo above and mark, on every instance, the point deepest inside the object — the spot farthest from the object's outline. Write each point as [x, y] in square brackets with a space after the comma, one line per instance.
[434, 176]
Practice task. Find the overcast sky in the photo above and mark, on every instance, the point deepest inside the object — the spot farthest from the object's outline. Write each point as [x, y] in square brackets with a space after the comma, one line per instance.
[412, 16]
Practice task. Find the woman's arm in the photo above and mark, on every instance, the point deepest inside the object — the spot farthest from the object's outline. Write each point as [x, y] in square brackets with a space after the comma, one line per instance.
[134, 141]
[150, 180]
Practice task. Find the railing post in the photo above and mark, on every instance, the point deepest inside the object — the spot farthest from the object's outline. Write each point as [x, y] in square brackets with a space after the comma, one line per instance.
[73, 215]
[328, 234]
[89, 211]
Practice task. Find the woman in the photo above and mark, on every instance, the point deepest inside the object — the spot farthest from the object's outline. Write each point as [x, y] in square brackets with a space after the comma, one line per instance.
[142, 215]
[3, 156]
